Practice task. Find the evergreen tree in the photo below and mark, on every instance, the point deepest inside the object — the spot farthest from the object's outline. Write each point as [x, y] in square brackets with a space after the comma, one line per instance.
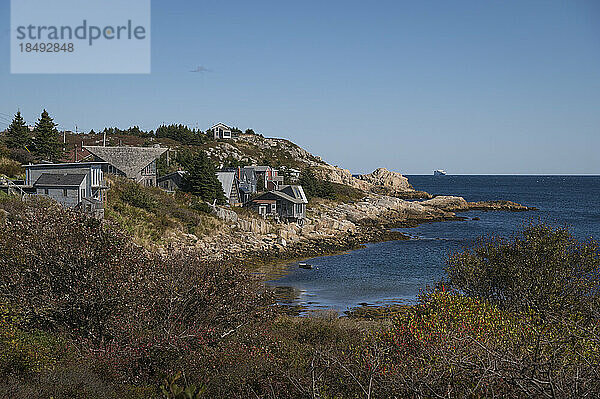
[201, 179]
[47, 144]
[17, 135]
[314, 187]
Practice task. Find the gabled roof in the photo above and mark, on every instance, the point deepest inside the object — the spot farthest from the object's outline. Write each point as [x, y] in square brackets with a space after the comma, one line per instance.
[227, 180]
[279, 194]
[221, 125]
[129, 160]
[59, 180]
[294, 191]
[179, 173]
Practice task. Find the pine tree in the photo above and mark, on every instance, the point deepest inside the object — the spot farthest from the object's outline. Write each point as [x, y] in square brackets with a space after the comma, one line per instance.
[46, 143]
[201, 179]
[17, 135]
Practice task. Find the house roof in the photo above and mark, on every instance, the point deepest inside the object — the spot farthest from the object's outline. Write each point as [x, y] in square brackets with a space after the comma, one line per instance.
[179, 173]
[227, 180]
[129, 160]
[294, 191]
[62, 165]
[220, 125]
[280, 194]
[59, 180]
[258, 168]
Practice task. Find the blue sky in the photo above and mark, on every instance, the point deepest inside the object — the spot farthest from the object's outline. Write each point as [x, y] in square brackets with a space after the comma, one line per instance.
[468, 86]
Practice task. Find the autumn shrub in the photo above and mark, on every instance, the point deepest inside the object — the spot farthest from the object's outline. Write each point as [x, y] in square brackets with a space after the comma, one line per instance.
[20, 155]
[519, 319]
[10, 168]
[134, 195]
[544, 270]
[133, 314]
[149, 214]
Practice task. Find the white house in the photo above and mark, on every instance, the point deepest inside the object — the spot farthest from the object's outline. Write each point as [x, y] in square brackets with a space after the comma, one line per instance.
[221, 131]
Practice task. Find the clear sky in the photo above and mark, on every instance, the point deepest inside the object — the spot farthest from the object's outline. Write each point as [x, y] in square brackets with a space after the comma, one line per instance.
[468, 86]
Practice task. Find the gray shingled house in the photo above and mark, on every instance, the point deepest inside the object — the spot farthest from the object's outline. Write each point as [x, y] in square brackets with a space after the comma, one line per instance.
[68, 189]
[288, 204]
[73, 185]
[135, 163]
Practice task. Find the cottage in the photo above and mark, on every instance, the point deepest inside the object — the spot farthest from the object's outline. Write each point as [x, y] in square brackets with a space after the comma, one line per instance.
[287, 204]
[267, 177]
[221, 131]
[73, 185]
[229, 183]
[95, 186]
[172, 181]
[66, 189]
[135, 163]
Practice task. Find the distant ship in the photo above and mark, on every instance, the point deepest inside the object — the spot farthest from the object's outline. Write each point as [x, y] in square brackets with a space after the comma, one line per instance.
[439, 172]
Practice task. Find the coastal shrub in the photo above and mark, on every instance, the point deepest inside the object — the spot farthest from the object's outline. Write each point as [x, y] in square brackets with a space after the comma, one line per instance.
[10, 168]
[157, 212]
[134, 195]
[544, 269]
[131, 313]
[457, 346]
[21, 156]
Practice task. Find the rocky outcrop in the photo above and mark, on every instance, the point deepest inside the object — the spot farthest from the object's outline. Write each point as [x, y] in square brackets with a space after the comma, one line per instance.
[499, 206]
[338, 175]
[459, 204]
[447, 203]
[391, 181]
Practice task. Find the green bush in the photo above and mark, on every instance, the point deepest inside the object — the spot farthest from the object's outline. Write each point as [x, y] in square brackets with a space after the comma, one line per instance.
[134, 195]
[10, 168]
[544, 269]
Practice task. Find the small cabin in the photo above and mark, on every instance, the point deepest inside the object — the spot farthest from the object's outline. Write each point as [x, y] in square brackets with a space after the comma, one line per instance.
[221, 131]
[288, 204]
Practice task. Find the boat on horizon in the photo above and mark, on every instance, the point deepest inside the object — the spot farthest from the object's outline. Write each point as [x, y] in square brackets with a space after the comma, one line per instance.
[439, 172]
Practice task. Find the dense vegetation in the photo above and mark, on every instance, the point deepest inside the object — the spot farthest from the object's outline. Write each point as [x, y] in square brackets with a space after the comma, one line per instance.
[201, 179]
[317, 188]
[85, 313]
[149, 214]
[182, 134]
[22, 146]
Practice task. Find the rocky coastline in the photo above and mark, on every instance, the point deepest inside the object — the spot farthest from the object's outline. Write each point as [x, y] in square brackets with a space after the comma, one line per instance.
[331, 228]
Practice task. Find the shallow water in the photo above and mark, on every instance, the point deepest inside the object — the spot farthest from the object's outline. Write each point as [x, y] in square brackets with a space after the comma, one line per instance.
[395, 272]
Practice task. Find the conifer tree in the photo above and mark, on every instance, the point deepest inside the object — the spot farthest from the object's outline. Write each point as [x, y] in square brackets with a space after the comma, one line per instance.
[46, 143]
[17, 135]
[201, 179]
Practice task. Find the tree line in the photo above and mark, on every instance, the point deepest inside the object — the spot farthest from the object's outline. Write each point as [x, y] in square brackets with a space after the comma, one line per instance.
[44, 143]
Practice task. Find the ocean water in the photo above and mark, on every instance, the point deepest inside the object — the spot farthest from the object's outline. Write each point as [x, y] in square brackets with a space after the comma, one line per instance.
[395, 272]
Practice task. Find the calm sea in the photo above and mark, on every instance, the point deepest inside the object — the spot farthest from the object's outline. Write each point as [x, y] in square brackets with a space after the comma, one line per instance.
[395, 272]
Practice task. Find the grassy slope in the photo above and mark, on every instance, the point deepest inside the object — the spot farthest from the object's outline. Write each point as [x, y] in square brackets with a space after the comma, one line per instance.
[150, 215]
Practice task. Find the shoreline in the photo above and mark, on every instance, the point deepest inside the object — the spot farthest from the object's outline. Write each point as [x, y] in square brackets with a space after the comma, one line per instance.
[273, 270]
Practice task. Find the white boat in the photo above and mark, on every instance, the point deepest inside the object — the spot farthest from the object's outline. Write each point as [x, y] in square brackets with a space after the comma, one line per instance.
[439, 172]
